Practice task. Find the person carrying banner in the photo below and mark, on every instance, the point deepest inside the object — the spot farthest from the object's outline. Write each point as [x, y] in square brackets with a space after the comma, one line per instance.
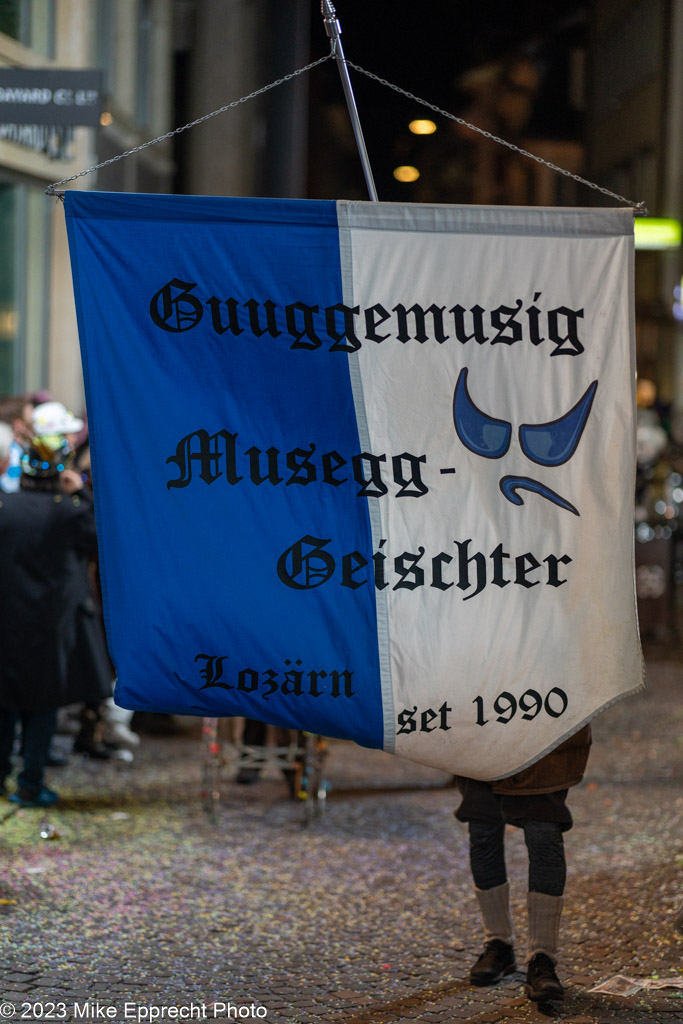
[534, 800]
[52, 651]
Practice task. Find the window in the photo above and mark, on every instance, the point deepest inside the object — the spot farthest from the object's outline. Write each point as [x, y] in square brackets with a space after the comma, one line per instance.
[8, 299]
[105, 41]
[31, 22]
[24, 271]
[143, 111]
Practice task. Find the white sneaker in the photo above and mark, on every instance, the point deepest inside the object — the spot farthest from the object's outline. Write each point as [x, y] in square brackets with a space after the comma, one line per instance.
[116, 726]
[121, 754]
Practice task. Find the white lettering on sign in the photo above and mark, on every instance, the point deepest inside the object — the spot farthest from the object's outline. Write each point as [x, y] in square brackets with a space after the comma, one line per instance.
[40, 96]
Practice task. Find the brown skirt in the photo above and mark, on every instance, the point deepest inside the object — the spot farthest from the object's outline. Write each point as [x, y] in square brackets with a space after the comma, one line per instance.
[480, 803]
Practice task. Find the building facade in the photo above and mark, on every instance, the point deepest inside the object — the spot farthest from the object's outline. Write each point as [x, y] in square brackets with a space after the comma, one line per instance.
[635, 147]
[131, 42]
[164, 63]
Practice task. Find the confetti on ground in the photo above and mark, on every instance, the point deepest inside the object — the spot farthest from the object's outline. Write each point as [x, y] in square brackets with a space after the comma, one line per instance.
[365, 916]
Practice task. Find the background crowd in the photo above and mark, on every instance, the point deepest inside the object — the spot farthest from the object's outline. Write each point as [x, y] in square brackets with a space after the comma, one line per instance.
[55, 673]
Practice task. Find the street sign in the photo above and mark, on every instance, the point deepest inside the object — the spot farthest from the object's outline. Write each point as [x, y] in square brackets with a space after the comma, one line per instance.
[55, 96]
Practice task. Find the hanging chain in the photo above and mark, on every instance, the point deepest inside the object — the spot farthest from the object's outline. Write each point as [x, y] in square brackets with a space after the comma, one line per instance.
[639, 207]
[51, 189]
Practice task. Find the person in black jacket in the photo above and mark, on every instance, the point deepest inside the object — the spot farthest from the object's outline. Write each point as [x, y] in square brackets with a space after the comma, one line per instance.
[52, 649]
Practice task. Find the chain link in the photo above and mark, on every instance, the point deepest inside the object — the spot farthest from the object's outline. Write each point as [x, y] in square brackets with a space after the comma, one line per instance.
[50, 190]
[639, 207]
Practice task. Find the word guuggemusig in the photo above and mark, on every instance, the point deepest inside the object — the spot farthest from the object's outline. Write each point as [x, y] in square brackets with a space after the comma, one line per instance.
[176, 309]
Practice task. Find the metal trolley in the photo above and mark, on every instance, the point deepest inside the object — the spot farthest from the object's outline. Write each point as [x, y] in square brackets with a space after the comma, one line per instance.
[302, 759]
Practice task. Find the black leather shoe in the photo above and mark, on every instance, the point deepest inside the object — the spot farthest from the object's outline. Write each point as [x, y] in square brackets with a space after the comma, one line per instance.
[497, 960]
[542, 984]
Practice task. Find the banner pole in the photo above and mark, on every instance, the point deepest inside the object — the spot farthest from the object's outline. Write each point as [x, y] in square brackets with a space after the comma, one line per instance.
[333, 29]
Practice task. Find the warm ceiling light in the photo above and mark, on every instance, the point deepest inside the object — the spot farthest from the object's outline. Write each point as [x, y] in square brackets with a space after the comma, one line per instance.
[422, 127]
[406, 173]
[106, 118]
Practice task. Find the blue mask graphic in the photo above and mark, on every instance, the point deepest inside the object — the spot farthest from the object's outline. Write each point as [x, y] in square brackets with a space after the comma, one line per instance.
[482, 434]
[546, 444]
[551, 444]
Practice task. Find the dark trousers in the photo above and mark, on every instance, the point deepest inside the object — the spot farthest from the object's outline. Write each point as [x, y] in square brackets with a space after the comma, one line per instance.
[543, 817]
[37, 730]
[547, 865]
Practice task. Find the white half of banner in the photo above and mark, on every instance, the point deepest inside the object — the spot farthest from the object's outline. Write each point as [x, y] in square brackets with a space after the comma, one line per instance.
[379, 465]
[524, 622]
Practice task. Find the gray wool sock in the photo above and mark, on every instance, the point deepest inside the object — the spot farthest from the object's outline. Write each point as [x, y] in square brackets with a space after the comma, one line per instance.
[494, 905]
[544, 924]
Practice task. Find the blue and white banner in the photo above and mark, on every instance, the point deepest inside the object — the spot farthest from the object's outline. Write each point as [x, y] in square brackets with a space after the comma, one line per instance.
[364, 469]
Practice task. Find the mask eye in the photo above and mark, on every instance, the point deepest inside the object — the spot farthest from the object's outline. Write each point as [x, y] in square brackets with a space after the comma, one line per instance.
[480, 433]
[551, 444]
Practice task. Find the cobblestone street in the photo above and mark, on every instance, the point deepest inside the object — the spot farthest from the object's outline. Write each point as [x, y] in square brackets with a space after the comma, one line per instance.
[364, 916]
